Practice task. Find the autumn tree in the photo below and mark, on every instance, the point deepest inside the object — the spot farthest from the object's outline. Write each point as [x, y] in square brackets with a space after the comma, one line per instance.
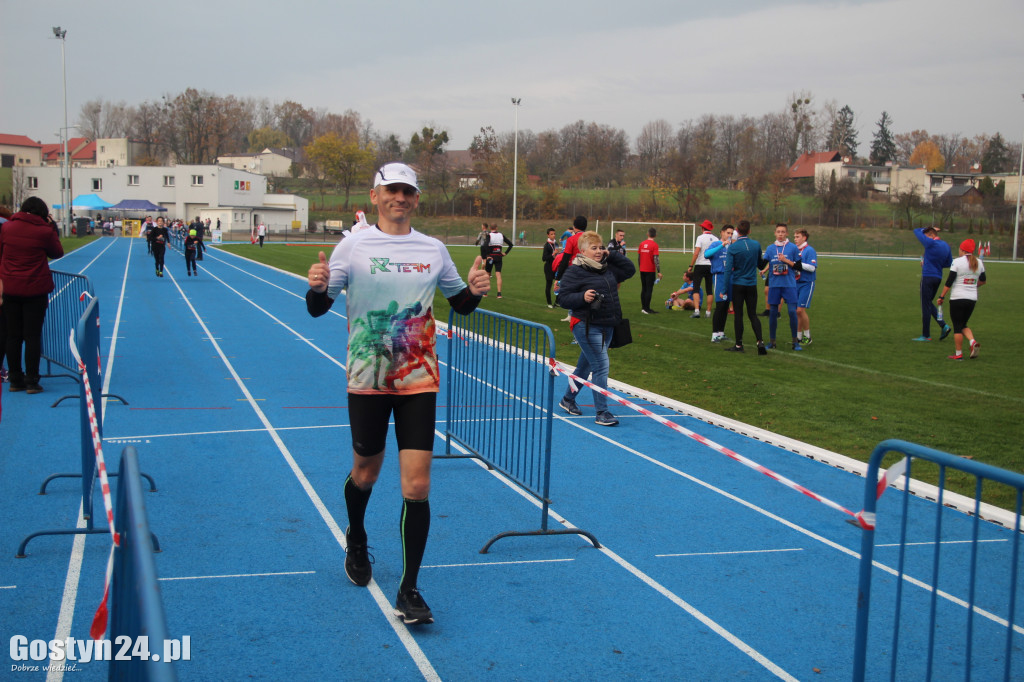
[195, 126]
[295, 121]
[927, 154]
[263, 138]
[883, 148]
[341, 161]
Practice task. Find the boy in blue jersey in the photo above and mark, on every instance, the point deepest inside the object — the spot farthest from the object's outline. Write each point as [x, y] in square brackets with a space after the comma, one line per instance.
[782, 255]
[717, 253]
[807, 272]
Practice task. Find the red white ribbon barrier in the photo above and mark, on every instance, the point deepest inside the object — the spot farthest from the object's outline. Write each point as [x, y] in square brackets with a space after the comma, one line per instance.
[99, 621]
[861, 518]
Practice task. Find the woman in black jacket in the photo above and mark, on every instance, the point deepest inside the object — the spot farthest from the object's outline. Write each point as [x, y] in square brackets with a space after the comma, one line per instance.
[590, 290]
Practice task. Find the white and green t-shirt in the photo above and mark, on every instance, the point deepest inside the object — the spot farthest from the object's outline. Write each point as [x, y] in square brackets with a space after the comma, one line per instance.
[390, 282]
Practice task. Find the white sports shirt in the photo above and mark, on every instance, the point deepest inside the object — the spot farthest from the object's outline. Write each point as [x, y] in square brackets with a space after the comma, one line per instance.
[703, 242]
[389, 303]
[965, 286]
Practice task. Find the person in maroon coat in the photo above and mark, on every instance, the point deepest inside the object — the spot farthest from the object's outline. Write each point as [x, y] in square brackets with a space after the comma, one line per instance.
[27, 241]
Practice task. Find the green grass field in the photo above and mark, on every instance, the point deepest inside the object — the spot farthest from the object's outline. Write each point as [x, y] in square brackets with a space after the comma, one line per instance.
[862, 380]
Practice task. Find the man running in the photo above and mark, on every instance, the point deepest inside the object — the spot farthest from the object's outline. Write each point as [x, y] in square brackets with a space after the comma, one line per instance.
[390, 272]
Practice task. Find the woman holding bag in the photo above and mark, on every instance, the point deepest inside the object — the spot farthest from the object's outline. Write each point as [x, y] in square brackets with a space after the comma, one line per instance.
[590, 291]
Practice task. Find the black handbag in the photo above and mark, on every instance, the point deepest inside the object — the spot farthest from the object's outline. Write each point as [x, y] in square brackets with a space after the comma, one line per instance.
[621, 335]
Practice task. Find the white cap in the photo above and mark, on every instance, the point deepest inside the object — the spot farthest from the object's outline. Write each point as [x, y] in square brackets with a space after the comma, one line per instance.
[395, 173]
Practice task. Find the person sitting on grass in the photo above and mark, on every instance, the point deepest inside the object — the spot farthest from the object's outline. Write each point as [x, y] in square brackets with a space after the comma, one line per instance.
[686, 297]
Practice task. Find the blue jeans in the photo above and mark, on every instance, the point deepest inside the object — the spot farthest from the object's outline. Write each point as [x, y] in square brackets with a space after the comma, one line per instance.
[593, 362]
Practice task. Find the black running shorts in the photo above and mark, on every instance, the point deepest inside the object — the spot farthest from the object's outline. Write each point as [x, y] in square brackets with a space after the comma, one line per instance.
[414, 421]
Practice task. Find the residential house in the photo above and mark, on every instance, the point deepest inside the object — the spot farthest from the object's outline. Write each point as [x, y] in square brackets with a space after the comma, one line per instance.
[17, 151]
[275, 162]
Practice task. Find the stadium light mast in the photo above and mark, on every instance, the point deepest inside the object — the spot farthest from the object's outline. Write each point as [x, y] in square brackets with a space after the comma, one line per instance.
[515, 167]
[65, 178]
[1020, 181]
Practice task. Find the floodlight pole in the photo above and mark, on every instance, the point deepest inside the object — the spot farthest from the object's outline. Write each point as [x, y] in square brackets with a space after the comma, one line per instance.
[65, 161]
[515, 168]
[1020, 181]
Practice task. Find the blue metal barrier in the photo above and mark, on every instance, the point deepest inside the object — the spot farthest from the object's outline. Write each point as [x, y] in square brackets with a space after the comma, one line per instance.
[136, 609]
[87, 342]
[980, 472]
[500, 397]
[64, 308]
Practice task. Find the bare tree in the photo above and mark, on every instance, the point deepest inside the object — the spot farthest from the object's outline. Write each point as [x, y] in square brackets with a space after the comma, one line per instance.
[653, 146]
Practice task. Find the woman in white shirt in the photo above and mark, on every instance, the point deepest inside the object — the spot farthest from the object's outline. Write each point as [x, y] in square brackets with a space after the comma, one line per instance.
[966, 275]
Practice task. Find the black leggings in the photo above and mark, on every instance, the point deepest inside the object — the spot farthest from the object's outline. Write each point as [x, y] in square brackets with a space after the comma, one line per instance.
[744, 294]
[158, 256]
[960, 310]
[702, 280]
[25, 316]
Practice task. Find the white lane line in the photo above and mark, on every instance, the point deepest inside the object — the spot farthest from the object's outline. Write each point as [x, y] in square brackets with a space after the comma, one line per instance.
[238, 575]
[740, 551]
[71, 580]
[941, 542]
[800, 529]
[643, 577]
[499, 563]
[8, 587]
[412, 647]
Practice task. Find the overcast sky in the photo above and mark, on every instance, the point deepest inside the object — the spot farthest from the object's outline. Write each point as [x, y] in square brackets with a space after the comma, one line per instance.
[945, 66]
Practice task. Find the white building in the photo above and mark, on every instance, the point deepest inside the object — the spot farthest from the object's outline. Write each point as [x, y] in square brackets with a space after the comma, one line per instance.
[237, 198]
[276, 163]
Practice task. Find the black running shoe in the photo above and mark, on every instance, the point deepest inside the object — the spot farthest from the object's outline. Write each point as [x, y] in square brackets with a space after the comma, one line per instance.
[411, 608]
[358, 562]
[735, 349]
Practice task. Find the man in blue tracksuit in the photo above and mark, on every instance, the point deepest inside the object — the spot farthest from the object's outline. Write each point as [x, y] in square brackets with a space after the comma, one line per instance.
[782, 256]
[937, 256]
[742, 263]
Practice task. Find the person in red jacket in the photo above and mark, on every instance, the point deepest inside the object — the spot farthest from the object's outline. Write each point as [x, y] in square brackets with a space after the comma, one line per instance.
[27, 241]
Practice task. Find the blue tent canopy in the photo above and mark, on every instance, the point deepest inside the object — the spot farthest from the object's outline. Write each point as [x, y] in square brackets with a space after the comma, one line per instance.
[136, 205]
[88, 202]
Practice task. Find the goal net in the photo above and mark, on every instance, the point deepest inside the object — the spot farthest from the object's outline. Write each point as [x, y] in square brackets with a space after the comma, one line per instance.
[675, 236]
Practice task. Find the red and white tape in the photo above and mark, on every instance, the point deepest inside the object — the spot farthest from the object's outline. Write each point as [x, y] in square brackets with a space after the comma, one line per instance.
[863, 519]
[99, 621]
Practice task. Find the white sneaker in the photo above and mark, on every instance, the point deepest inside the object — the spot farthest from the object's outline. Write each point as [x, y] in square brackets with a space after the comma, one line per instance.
[707, 313]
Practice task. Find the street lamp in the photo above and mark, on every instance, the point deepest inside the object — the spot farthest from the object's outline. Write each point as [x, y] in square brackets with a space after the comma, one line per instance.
[65, 179]
[515, 167]
[1020, 181]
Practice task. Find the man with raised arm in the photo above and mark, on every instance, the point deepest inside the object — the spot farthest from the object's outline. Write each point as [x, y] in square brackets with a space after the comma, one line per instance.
[390, 272]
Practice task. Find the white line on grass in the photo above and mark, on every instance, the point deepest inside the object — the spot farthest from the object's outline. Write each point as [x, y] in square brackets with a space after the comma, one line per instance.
[238, 575]
[415, 652]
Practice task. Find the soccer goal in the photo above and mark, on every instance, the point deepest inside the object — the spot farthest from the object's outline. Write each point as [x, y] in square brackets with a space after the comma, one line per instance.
[679, 236]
